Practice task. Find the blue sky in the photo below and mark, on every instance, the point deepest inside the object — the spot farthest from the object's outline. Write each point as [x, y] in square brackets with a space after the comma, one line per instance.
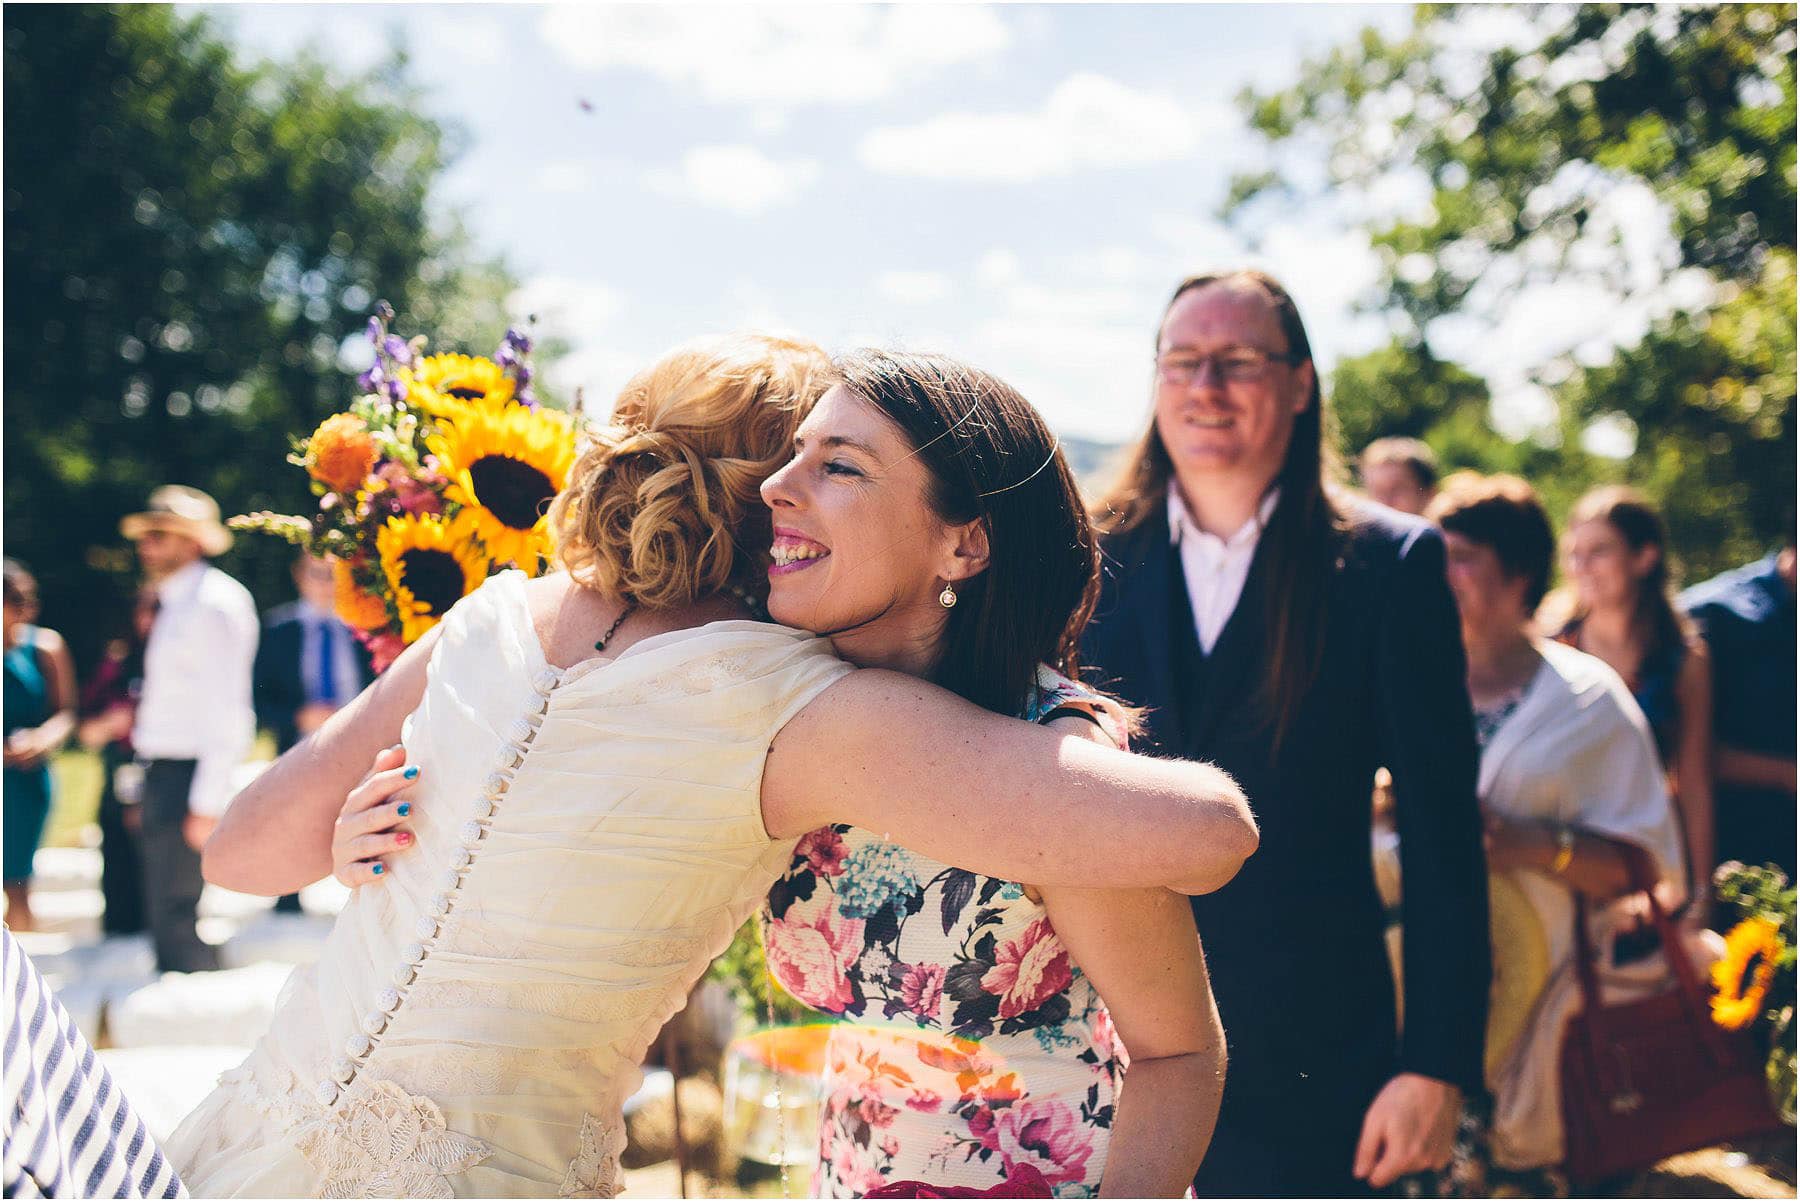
[1017, 185]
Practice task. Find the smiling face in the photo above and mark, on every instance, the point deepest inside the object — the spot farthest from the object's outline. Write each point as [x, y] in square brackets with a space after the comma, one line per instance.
[1214, 426]
[1605, 571]
[859, 553]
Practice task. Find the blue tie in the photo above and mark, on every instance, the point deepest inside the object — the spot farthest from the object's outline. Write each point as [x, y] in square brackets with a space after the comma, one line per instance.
[327, 678]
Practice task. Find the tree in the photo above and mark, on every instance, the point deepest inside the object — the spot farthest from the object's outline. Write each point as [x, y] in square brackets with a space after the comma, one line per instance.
[1527, 147]
[189, 244]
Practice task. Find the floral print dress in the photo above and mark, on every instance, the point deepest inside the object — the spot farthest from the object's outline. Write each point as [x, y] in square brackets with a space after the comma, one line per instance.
[969, 1042]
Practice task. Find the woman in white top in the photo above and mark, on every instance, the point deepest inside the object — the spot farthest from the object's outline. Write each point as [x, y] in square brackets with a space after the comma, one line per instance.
[593, 827]
[1568, 771]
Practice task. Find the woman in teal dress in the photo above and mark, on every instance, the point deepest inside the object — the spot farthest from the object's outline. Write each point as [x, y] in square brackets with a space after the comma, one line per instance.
[40, 713]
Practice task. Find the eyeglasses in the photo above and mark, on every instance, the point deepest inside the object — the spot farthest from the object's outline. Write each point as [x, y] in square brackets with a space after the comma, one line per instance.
[1235, 364]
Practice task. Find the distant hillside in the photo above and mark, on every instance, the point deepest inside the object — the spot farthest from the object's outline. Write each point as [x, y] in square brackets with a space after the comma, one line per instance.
[1091, 460]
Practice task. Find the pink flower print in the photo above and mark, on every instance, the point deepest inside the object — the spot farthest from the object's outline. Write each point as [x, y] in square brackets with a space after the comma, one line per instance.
[922, 989]
[1029, 970]
[853, 1171]
[890, 1147]
[823, 851]
[870, 1107]
[924, 1101]
[983, 1128]
[1106, 1039]
[812, 957]
[1047, 1135]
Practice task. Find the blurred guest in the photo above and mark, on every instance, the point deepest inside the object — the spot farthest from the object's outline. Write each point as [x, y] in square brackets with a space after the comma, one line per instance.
[40, 714]
[1401, 473]
[108, 709]
[1568, 768]
[1618, 607]
[308, 665]
[195, 720]
[1299, 645]
[1747, 617]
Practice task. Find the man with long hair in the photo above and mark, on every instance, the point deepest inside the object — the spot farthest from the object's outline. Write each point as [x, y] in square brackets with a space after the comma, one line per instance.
[1301, 644]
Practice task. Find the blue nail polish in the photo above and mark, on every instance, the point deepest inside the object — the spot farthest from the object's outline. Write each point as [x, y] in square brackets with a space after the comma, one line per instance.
[378, 869]
[411, 773]
[405, 809]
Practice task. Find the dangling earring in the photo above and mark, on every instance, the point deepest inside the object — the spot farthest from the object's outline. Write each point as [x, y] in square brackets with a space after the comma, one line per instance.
[947, 598]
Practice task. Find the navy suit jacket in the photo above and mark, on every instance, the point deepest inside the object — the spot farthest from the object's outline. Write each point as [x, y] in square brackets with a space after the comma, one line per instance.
[278, 687]
[1295, 940]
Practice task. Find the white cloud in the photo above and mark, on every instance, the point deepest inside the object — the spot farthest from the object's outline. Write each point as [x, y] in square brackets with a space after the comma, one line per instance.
[565, 176]
[776, 56]
[997, 268]
[1089, 121]
[913, 287]
[741, 179]
[576, 310]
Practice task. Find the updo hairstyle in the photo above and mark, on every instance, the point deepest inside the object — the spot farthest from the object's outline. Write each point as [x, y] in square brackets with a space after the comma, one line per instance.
[663, 508]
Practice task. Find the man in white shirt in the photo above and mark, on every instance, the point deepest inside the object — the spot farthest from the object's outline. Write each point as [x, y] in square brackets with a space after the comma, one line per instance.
[195, 722]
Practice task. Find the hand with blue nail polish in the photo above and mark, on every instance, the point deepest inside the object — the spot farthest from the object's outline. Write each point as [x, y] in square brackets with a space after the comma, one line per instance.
[369, 831]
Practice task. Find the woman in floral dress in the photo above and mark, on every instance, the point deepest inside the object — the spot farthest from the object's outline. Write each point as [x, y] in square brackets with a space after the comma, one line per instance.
[975, 1040]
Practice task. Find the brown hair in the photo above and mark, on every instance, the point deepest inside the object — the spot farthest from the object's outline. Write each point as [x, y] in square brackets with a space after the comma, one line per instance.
[1504, 513]
[1304, 533]
[664, 506]
[991, 458]
[1656, 621]
[1411, 453]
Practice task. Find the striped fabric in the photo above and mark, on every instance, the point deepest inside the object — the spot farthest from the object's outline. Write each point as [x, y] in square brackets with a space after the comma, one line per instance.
[69, 1132]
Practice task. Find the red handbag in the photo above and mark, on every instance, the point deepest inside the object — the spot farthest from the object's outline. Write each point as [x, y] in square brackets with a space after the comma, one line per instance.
[1650, 1079]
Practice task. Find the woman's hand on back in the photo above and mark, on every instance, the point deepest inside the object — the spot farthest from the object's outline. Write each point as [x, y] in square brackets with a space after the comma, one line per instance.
[370, 826]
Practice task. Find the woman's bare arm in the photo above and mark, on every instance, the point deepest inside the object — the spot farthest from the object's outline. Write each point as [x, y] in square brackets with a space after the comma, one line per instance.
[1694, 774]
[275, 837]
[1141, 952]
[959, 784]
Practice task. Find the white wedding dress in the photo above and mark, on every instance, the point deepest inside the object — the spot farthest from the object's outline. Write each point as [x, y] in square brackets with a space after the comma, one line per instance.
[588, 840]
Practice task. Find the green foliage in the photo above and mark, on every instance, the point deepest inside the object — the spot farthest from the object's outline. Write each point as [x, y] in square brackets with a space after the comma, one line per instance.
[1521, 147]
[189, 242]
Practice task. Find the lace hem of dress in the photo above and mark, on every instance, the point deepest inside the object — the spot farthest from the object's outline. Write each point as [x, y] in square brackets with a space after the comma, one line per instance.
[381, 1142]
[594, 1173]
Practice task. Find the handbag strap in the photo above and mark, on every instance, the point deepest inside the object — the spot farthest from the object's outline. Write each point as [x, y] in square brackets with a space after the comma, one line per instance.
[1642, 873]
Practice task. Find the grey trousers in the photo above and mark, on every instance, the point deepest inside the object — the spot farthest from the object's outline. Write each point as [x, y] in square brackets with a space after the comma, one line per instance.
[172, 880]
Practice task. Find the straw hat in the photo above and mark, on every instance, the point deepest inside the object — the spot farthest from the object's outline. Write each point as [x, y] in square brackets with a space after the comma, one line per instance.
[179, 509]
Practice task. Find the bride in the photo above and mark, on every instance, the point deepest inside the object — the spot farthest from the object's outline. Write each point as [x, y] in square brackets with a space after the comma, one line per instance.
[613, 766]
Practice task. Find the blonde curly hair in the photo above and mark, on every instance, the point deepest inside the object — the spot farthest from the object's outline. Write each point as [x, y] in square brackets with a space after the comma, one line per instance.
[665, 506]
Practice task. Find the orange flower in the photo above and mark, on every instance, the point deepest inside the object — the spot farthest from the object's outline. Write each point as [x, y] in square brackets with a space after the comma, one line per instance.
[1742, 978]
[357, 607]
[341, 454]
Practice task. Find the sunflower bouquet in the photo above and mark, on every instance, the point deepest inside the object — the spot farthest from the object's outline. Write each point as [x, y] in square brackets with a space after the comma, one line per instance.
[1753, 984]
[438, 475]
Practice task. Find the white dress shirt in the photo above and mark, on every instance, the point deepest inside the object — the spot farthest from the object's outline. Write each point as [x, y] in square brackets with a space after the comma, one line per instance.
[1215, 568]
[197, 672]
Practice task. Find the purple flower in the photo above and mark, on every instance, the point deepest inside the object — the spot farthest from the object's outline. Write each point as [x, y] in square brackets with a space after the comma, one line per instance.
[522, 375]
[384, 311]
[396, 391]
[505, 356]
[375, 330]
[396, 349]
[518, 340]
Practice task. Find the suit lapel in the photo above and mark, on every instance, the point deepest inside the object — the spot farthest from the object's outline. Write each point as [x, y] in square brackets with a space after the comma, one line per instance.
[1144, 584]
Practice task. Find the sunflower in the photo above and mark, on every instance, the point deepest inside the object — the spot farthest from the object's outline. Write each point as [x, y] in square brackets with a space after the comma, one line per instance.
[504, 466]
[1742, 978]
[341, 453]
[431, 564]
[354, 605]
[448, 386]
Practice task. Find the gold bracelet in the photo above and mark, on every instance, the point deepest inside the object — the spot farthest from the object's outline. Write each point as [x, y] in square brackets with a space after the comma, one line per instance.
[1565, 849]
